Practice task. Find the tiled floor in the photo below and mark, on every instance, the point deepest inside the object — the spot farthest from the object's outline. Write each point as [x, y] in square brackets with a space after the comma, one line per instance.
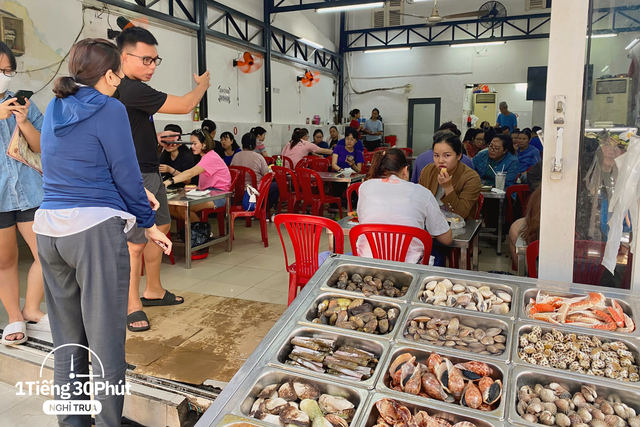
[250, 272]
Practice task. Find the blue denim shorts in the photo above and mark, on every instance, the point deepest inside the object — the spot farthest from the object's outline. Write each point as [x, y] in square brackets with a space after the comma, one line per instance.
[220, 202]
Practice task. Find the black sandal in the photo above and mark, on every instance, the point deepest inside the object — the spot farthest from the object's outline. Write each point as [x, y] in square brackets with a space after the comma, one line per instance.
[138, 316]
[168, 299]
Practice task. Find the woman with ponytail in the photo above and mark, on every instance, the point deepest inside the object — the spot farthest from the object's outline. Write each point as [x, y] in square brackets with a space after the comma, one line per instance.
[387, 197]
[20, 195]
[93, 194]
[298, 147]
[260, 133]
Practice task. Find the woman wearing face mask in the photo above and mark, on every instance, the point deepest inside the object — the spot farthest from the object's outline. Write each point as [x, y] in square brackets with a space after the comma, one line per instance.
[373, 131]
[20, 195]
[455, 186]
[175, 158]
[388, 198]
[230, 146]
[212, 171]
[93, 194]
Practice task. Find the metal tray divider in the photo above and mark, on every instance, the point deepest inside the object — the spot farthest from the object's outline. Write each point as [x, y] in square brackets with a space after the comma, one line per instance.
[498, 413]
[544, 378]
[429, 406]
[517, 361]
[300, 329]
[416, 309]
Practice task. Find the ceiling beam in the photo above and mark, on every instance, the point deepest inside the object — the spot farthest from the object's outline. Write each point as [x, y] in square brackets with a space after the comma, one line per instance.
[277, 8]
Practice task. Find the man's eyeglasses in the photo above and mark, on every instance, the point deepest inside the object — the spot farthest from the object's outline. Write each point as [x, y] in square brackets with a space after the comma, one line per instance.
[147, 60]
[9, 73]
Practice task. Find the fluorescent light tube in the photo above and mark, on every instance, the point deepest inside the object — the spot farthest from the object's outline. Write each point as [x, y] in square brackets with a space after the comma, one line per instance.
[395, 49]
[602, 36]
[476, 44]
[632, 44]
[310, 43]
[351, 7]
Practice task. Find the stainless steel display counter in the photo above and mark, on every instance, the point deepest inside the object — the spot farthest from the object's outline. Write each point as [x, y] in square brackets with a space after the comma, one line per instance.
[267, 363]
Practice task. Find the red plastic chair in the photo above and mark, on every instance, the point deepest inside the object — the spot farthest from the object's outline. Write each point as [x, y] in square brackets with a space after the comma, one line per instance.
[171, 258]
[380, 149]
[304, 162]
[522, 193]
[239, 189]
[319, 164]
[270, 160]
[287, 162]
[456, 253]
[350, 189]
[407, 151]
[204, 214]
[533, 250]
[289, 190]
[315, 201]
[305, 232]
[390, 242]
[260, 212]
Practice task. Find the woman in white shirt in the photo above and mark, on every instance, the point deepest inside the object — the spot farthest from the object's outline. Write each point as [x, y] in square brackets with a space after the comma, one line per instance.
[388, 197]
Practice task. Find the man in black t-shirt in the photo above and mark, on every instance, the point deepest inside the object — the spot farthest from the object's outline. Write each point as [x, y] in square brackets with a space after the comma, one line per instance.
[139, 61]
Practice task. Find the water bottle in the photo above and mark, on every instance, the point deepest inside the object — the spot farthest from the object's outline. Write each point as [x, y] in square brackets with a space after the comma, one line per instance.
[279, 161]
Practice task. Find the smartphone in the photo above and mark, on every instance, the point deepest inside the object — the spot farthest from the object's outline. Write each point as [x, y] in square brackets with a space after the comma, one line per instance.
[161, 244]
[22, 95]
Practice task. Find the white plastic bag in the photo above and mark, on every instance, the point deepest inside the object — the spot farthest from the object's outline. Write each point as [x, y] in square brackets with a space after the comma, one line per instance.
[455, 221]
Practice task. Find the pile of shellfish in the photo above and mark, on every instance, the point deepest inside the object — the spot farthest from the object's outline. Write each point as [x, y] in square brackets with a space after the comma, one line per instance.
[483, 299]
[453, 333]
[320, 355]
[469, 384]
[579, 353]
[393, 413]
[357, 315]
[299, 403]
[555, 405]
[369, 285]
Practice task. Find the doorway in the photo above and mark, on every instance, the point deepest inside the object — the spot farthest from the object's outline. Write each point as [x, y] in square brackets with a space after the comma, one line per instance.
[424, 120]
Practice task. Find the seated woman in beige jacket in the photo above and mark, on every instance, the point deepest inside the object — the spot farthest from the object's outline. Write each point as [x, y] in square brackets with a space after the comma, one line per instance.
[455, 186]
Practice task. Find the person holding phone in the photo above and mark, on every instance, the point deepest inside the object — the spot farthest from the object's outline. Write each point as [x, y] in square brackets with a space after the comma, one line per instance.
[93, 194]
[175, 158]
[140, 60]
[20, 195]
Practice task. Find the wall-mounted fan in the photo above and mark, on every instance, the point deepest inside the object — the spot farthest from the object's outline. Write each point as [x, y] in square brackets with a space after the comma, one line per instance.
[484, 12]
[310, 78]
[249, 63]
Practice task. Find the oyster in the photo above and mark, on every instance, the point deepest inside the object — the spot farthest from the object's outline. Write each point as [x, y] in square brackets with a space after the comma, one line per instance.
[304, 389]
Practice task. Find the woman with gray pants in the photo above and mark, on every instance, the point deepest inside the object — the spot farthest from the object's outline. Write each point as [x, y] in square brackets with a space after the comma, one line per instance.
[93, 194]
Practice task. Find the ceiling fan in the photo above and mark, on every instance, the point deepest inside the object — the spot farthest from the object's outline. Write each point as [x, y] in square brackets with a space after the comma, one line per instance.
[492, 9]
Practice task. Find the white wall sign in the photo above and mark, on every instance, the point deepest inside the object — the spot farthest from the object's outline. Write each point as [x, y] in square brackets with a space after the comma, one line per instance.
[224, 94]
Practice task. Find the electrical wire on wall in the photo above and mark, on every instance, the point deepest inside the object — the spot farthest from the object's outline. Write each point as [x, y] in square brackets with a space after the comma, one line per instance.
[62, 61]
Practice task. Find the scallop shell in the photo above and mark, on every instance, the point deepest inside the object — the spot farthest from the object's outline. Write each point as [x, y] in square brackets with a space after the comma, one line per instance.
[458, 288]
[585, 415]
[547, 419]
[431, 285]
[598, 423]
[535, 408]
[563, 405]
[607, 408]
[620, 410]
[575, 419]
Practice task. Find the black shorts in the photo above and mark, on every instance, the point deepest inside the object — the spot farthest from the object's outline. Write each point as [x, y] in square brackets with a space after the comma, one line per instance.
[9, 219]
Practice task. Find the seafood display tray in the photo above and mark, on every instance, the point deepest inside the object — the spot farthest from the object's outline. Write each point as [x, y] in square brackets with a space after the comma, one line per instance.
[630, 304]
[373, 344]
[370, 412]
[521, 376]
[500, 372]
[399, 277]
[524, 328]
[468, 318]
[266, 362]
[495, 286]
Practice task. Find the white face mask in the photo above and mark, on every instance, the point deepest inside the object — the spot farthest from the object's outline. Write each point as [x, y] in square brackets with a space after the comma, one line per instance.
[4, 82]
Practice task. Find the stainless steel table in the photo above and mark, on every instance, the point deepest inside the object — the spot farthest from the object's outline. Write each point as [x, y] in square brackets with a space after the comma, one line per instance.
[333, 177]
[465, 238]
[501, 198]
[181, 199]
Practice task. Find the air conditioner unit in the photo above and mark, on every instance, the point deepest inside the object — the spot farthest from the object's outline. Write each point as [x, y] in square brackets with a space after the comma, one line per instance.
[485, 107]
[12, 33]
[612, 101]
[389, 15]
[536, 4]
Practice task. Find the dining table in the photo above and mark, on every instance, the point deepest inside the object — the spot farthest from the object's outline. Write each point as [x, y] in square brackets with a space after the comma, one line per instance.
[466, 239]
[182, 199]
[341, 177]
[486, 232]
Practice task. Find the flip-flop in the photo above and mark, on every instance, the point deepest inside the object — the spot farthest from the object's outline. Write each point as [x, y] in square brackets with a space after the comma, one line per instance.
[41, 325]
[15, 328]
[138, 316]
[167, 299]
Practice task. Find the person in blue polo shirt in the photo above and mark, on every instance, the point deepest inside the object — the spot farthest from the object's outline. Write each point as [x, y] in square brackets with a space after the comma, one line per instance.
[506, 117]
[527, 154]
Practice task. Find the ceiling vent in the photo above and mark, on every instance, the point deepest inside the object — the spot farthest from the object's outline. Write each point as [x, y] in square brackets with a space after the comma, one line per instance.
[389, 15]
[536, 4]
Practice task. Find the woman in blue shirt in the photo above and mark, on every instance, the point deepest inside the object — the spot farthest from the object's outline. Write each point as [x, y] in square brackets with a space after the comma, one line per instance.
[318, 136]
[230, 146]
[527, 154]
[373, 131]
[347, 156]
[500, 156]
[20, 195]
